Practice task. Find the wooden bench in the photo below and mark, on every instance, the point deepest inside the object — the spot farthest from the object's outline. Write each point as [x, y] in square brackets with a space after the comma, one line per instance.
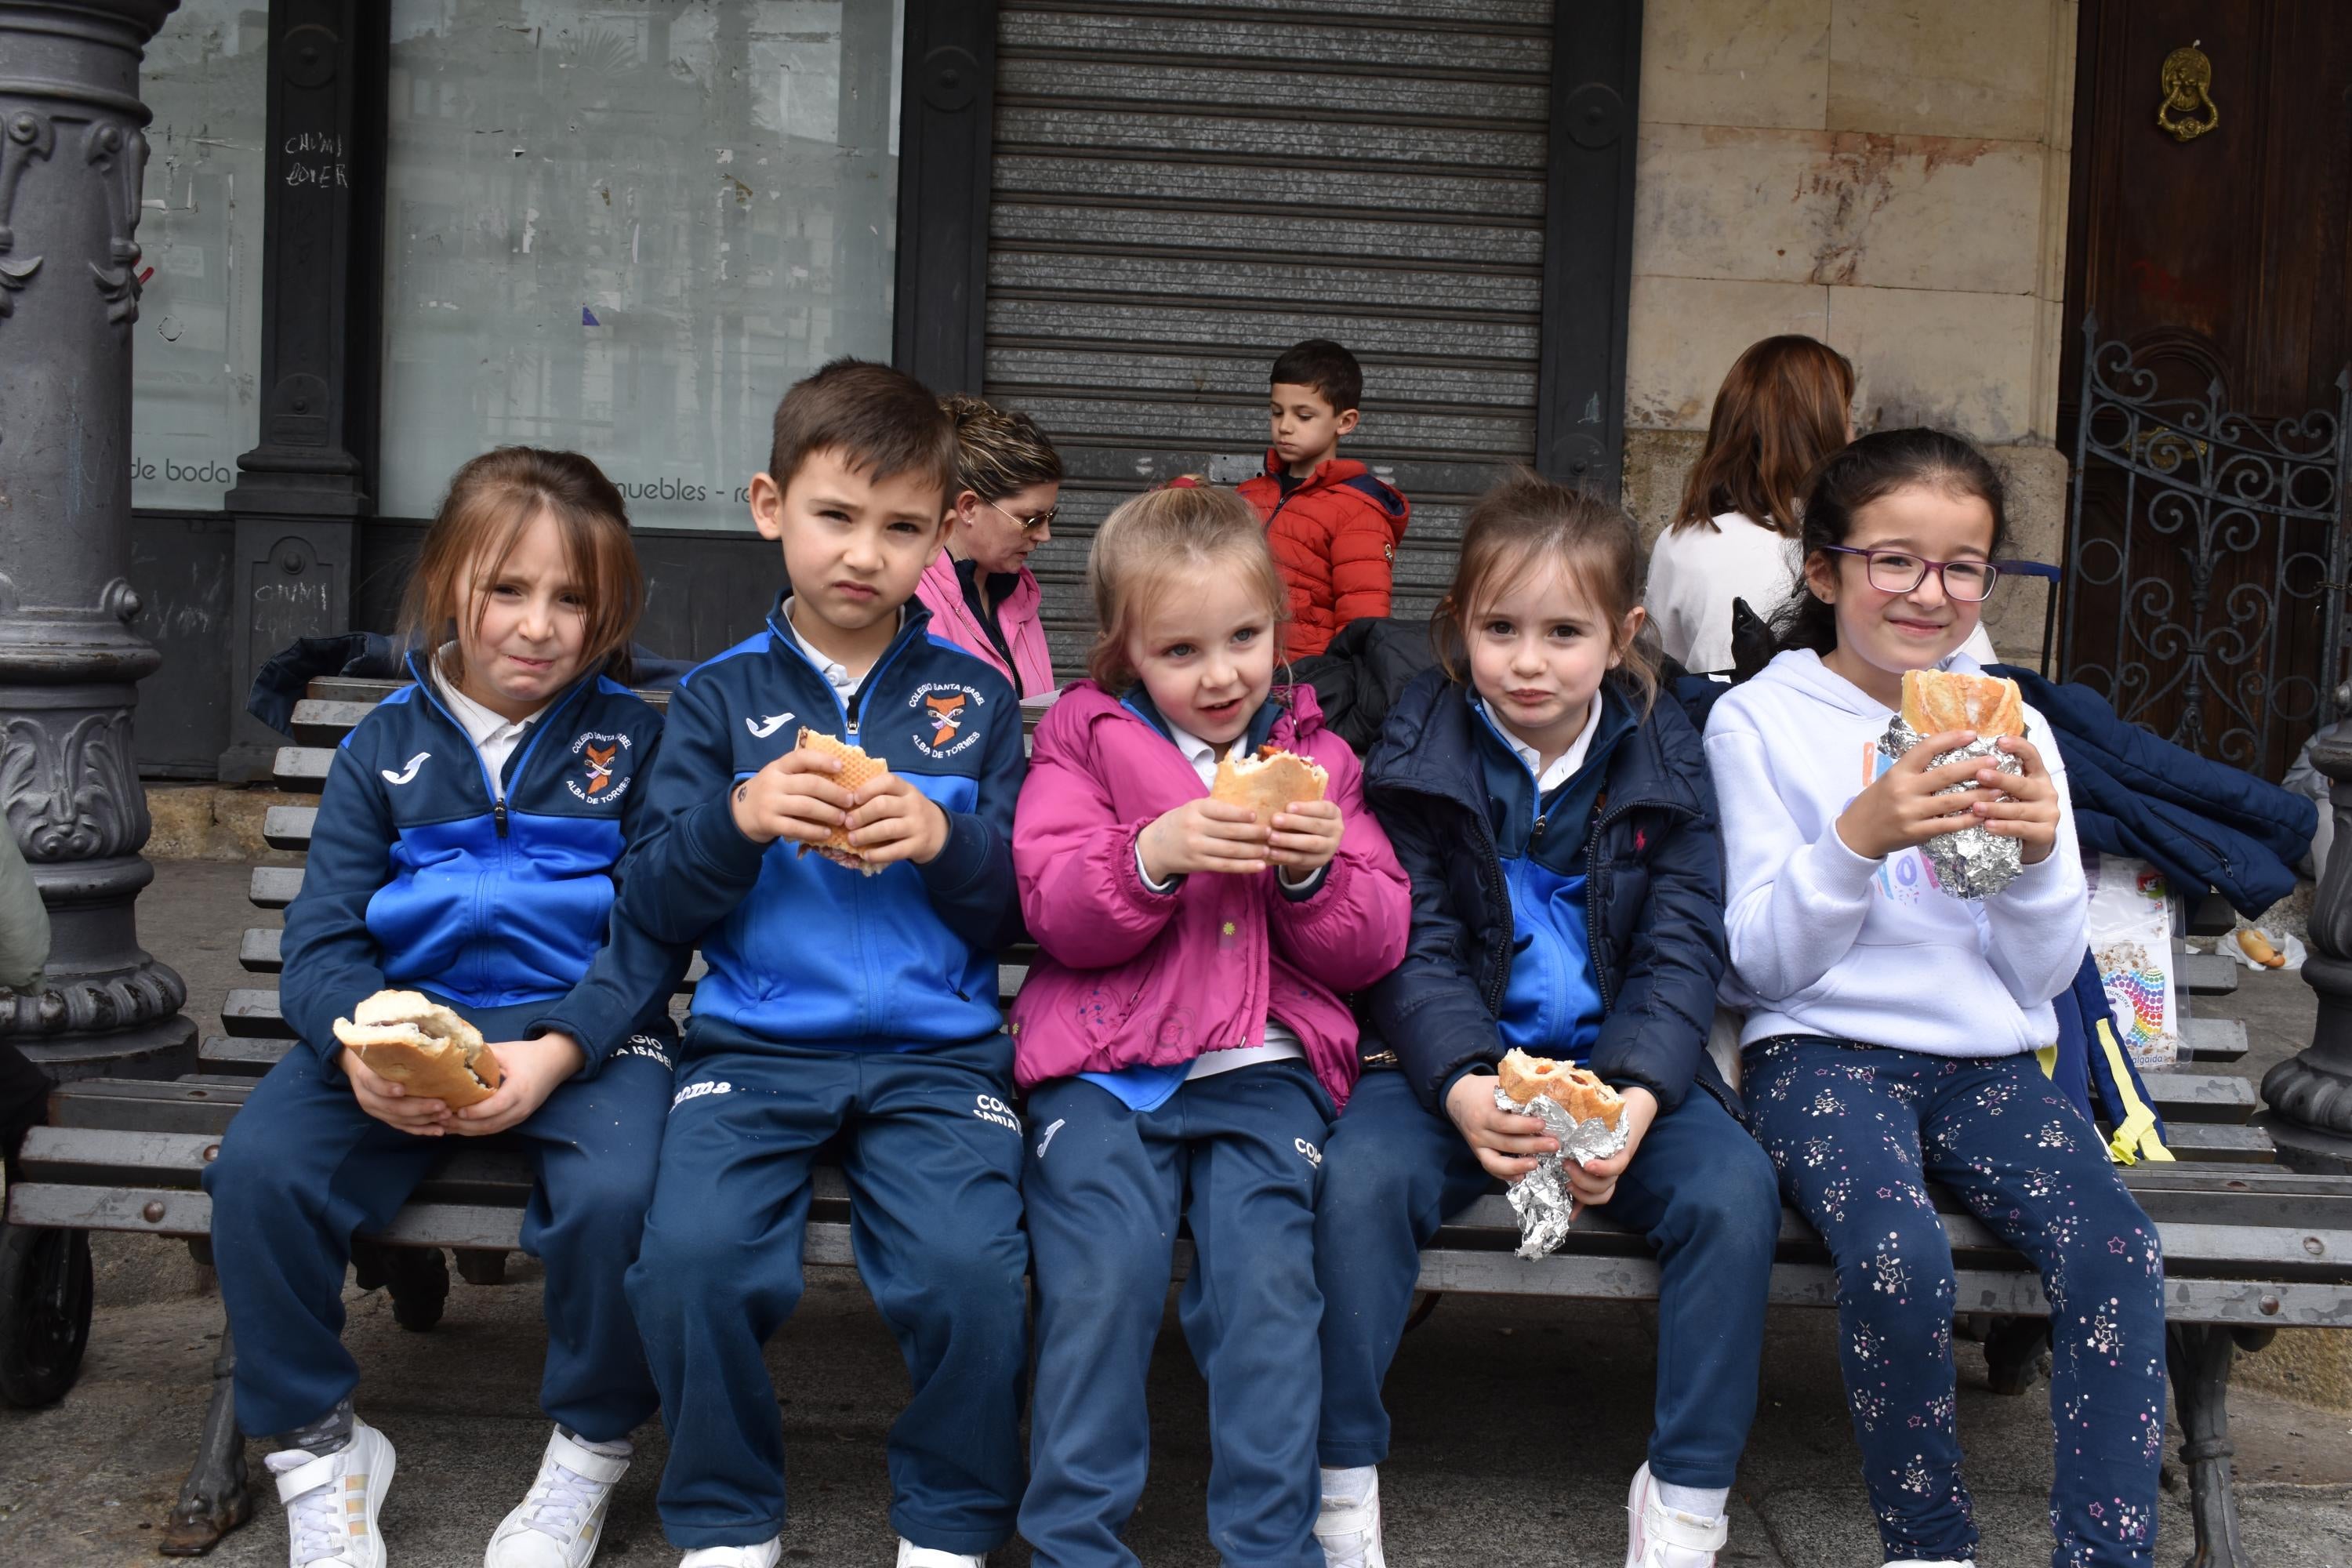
[2249, 1248]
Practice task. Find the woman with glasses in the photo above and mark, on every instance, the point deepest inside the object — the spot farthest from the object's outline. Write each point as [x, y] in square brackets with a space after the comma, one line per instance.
[979, 590]
[1892, 1025]
[1782, 409]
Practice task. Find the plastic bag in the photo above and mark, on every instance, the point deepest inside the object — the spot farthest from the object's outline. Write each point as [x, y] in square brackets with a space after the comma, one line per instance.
[2282, 946]
[2131, 941]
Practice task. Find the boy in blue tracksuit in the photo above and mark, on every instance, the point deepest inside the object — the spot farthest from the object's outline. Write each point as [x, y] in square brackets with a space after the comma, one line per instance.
[845, 1003]
[465, 847]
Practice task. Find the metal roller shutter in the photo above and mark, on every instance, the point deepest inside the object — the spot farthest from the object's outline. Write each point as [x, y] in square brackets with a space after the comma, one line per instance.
[1181, 189]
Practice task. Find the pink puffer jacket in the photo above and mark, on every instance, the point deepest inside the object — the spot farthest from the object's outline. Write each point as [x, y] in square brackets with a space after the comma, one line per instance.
[953, 619]
[1128, 978]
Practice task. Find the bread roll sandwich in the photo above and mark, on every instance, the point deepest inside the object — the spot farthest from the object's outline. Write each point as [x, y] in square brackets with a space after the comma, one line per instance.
[1268, 783]
[1936, 701]
[412, 1040]
[1578, 1090]
[856, 768]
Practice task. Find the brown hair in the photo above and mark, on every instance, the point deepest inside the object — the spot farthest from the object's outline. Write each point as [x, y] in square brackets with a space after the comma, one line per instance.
[1523, 521]
[998, 452]
[1150, 538]
[492, 501]
[880, 420]
[1780, 410]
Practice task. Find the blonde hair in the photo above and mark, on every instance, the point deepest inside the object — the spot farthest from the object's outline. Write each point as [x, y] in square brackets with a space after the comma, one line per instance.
[1154, 537]
[1523, 521]
[492, 501]
[998, 452]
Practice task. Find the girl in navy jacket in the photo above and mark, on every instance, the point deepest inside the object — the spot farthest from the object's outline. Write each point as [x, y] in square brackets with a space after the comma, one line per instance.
[465, 848]
[1560, 833]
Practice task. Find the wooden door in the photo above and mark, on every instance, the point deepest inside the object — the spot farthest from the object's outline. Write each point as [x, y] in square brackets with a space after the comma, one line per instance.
[2222, 263]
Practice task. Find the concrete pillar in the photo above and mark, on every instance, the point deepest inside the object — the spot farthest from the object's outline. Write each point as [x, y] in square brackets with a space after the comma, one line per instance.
[71, 154]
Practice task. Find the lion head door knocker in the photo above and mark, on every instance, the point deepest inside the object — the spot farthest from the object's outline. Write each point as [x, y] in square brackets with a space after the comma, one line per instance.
[2187, 82]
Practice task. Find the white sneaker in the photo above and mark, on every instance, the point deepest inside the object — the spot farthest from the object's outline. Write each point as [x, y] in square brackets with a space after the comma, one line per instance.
[1348, 1529]
[562, 1518]
[767, 1554]
[1664, 1537]
[913, 1556]
[331, 1503]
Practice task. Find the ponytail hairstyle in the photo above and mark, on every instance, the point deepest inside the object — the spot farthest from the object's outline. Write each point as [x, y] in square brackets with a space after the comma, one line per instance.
[1518, 526]
[1874, 468]
[1780, 410]
[998, 452]
[492, 501]
[1151, 544]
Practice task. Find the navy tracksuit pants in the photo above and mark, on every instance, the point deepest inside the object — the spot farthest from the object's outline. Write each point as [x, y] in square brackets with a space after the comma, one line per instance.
[303, 1167]
[932, 1155]
[1698, 1188]
[1857, 1132]
[1237, 1154]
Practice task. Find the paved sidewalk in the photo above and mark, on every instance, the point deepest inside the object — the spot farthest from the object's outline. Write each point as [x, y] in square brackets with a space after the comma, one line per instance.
[1518, 1422]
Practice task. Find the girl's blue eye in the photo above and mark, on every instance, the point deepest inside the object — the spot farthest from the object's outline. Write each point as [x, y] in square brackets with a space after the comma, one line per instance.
[1245, 634]
[1178, 651]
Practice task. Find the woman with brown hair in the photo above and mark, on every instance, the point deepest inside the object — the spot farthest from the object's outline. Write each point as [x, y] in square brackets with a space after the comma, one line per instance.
[1783, 407]
[979, 590]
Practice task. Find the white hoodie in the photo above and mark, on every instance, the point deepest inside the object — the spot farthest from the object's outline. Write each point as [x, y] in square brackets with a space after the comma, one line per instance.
[1827, 941]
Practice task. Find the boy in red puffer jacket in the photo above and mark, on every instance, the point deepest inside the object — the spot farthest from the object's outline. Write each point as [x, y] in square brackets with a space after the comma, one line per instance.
[1334, 528]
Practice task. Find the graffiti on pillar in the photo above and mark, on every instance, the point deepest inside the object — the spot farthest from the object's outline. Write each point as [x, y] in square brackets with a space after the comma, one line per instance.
[118, 153]
[29, 136]
[72, 794]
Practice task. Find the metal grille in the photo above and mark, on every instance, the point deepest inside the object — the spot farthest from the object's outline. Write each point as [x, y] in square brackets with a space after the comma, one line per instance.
[1182, 189]
[2205, 598]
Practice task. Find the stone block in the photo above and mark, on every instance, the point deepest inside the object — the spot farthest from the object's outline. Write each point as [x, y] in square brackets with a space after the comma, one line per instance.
[2034, 477]
[1976, 68]
[1657, 466]
[1960, 361]
[211, 822]
[1796, 207]
[1684, 333]
[1736, 62]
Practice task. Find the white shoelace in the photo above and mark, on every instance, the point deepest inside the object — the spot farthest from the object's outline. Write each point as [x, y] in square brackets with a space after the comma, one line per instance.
[559, 1505]
[315, 1520]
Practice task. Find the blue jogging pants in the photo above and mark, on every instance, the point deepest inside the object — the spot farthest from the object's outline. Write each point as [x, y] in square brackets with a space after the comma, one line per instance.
[932, 1155]
[303, 1167]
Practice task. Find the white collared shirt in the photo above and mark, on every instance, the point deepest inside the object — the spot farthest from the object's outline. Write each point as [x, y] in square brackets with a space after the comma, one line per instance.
[836, 674]
[1282, 1043]
[1564, 766]
[494, 735]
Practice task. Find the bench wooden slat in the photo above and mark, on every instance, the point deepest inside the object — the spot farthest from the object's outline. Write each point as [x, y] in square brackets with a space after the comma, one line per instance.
[289, 826]
[139, 1105]
[2193, 1142]
[275, 887]
[2203, 973]
[324, 722]
[257, 951]
[302, 767]
[253, 1015]
[2201, 1097]
[2212, 1039]
[240, 1055]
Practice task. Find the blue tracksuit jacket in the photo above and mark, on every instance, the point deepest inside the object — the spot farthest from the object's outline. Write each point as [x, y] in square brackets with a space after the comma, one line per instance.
[420, 877]
[800, 950]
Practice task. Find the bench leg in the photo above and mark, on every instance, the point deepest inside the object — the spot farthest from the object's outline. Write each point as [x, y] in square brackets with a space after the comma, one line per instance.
[416, 1277]
[482, 1265]
[2013, 1349]
[2198, 1356]
[214, 1501]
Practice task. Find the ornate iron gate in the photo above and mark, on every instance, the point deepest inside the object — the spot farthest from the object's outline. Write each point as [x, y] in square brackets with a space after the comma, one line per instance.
[2207, 572]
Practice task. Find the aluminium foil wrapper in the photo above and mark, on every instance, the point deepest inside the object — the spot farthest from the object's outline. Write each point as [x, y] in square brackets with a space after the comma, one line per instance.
[1542, 1198]
[1972, 863]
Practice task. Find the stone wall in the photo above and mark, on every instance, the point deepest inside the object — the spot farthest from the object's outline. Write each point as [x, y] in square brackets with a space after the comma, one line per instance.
[1890, 178]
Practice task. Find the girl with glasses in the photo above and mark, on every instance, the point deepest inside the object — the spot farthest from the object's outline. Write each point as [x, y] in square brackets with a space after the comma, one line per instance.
[1891, 1026]
[979, 590]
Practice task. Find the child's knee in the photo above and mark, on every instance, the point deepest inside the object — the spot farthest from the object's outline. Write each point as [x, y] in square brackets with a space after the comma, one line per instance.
[1900, 1267]
[709, 1265]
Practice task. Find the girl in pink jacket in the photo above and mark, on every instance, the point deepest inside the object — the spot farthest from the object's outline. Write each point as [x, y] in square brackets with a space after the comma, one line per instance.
[1181, 1034]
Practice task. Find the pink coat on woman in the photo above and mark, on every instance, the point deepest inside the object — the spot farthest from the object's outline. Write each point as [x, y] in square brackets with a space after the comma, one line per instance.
[1128, 978]
[1017, 616]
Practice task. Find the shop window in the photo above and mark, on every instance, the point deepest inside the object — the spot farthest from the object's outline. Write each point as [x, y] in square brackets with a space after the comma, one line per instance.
[197, 349]
[626, 229]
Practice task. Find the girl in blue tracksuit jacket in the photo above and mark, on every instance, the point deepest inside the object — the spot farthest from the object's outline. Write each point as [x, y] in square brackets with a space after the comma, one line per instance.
[465, 849]
[1567, 899]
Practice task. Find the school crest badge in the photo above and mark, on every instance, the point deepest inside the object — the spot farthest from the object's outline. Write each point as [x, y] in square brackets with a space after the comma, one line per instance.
[947, 717]
[598, 775]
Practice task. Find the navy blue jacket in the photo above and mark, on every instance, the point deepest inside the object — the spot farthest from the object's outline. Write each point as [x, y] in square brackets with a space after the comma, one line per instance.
[1654, 901]
[804, 950]
[419, 877]
[2202, 823]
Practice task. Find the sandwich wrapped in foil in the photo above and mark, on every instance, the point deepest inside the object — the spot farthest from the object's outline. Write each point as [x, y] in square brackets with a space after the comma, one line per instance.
[1972, 863]
[1542, 1198]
